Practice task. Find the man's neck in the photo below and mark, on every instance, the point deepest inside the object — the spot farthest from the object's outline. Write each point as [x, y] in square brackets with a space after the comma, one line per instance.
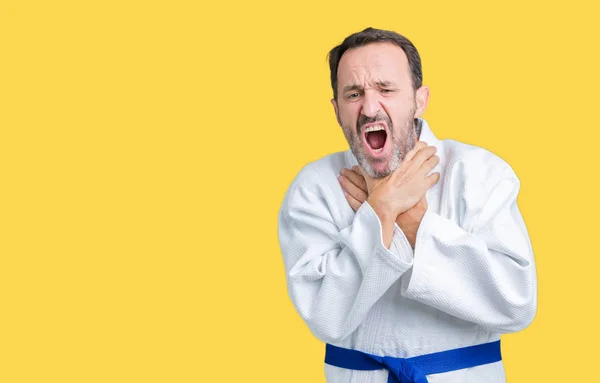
[418, 127]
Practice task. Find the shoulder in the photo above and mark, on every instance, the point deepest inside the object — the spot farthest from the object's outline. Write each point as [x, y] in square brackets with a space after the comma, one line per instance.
[477, 183]
[475, 164]
[315, 181]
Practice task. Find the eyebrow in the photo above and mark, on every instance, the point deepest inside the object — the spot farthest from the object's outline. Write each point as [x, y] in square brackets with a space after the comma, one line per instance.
[348, 88]
[385, 84]
[381, 84]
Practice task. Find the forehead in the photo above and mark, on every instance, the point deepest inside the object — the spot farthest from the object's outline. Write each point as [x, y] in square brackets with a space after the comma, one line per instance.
[375, 61]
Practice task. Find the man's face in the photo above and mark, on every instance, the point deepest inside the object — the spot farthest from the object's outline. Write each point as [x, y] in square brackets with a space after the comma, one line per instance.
[376, 106]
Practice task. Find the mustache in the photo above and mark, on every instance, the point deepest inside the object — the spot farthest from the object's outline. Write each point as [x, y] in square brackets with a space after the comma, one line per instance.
[363, 120]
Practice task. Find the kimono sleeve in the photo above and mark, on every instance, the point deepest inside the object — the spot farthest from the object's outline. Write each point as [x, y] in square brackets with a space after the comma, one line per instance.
[482, 271]
[336, 275]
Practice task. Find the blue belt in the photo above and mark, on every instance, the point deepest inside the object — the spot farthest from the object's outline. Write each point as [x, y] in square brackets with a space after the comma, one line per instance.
[413, 370]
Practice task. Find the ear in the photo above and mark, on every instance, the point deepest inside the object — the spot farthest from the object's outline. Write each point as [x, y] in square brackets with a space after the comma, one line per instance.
[335, 109]
[422, 98]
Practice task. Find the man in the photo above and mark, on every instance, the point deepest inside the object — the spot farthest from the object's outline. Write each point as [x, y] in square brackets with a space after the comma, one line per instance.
[406, 254]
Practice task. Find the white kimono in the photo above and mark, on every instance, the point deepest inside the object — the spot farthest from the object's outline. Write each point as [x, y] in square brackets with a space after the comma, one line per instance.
[470, 278]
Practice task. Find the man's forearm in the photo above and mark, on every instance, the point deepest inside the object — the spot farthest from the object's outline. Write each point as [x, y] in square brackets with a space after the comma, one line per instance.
[387, 225]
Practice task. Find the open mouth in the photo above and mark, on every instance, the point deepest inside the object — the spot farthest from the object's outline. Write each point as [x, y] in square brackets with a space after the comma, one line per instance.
[375, 138]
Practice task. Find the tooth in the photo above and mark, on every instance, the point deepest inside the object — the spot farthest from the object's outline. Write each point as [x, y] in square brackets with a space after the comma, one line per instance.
[374, 128]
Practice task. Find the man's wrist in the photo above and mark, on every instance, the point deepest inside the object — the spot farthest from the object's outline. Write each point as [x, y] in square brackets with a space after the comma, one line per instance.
[383, 212]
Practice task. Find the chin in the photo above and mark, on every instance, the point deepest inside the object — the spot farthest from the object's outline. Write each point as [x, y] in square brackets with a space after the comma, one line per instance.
[377, 170]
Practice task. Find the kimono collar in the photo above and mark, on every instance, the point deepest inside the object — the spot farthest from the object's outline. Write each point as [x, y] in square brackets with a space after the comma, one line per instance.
[427, 135]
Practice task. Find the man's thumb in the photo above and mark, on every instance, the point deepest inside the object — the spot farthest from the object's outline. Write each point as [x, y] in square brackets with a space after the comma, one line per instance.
[367, 178]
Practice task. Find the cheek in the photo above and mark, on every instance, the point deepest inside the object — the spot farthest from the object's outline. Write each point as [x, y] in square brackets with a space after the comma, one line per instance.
[401, 117]
[349, 114]
[400, 110]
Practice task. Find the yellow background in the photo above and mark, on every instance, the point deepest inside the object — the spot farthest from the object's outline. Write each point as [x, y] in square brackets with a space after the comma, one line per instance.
[145, 147]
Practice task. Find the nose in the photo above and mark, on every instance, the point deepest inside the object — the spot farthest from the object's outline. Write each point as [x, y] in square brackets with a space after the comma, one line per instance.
[371, 104]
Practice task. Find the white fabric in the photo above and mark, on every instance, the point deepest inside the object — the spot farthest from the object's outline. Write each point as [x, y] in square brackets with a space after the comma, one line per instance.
[470, 278]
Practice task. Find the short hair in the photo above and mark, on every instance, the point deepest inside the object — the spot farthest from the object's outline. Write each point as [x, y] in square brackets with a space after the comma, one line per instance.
[369, 36]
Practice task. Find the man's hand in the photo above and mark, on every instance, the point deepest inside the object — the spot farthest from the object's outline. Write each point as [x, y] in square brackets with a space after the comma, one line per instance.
[401, 190]
[410, 221]
[355, 189]
[408, 185]
[354, 186]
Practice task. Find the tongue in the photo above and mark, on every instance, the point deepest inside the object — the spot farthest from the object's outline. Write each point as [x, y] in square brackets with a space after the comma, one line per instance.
[376, 139]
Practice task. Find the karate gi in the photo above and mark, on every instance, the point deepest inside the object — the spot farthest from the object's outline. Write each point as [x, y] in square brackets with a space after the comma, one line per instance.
[470, 278]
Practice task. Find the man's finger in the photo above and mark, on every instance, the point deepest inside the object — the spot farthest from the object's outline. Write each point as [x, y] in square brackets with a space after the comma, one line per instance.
[350, 188]
[432, 179]
[429, 164]
[367, 178]
[418, 146]
[354, 204]
[423, 155]
[356, 177]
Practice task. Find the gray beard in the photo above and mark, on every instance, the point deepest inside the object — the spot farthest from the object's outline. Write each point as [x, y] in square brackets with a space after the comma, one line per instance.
[402, 144]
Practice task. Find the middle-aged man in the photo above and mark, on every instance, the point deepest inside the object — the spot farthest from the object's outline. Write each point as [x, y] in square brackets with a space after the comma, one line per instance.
[406, 254]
